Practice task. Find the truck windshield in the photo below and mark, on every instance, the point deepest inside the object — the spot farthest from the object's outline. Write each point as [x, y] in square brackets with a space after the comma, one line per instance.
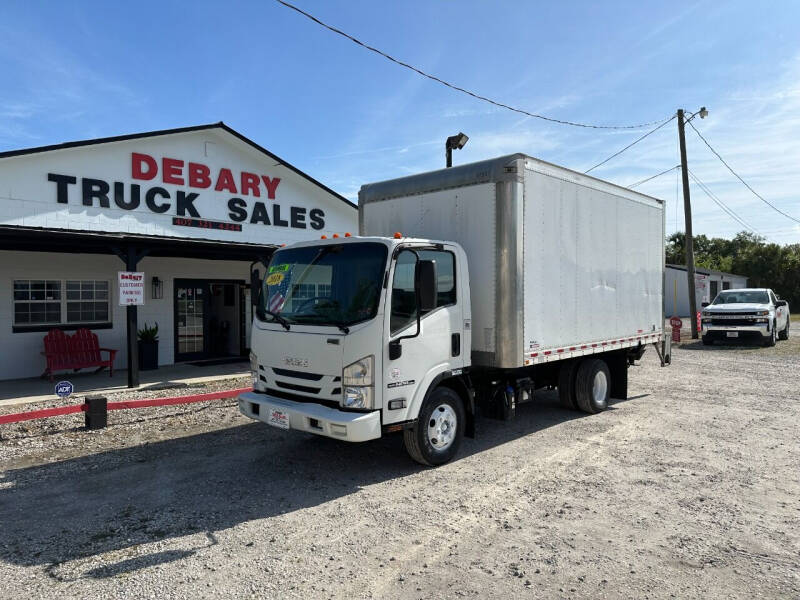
[741, 297]
[331, 284]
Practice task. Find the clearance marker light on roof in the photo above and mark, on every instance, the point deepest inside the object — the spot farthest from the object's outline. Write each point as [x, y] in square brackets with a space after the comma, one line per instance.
[283, 245]
[324, 237]
[397, 235]
[335, 235]
[347, 234]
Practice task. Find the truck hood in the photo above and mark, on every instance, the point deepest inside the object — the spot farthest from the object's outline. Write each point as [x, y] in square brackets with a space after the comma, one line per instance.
[736, 307]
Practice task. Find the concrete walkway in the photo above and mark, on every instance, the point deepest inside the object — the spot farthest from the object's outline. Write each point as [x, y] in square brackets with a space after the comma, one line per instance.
[24, 391]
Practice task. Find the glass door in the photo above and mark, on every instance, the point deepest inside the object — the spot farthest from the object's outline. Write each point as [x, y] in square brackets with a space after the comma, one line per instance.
[191, 298]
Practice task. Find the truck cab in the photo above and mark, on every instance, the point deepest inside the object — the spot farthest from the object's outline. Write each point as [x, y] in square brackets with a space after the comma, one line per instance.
[751, 313]
[352, 335]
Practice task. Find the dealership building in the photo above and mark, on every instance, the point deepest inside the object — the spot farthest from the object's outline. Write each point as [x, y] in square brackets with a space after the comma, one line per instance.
[193, 209]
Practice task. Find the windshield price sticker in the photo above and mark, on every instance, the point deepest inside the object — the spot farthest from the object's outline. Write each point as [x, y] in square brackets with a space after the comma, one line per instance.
[275, 279]
[276, 268]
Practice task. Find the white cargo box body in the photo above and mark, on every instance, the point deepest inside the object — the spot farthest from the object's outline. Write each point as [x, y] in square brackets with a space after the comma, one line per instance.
[560, 264]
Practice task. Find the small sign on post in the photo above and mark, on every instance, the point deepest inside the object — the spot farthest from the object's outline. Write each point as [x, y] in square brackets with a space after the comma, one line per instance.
[676, 324]
[131, 288]
[64, 389]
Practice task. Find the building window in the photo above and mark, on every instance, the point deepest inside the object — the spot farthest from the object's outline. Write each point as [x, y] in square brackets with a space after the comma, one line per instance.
[87, 301]
[37, 302]
[323, 290]
[55, 302]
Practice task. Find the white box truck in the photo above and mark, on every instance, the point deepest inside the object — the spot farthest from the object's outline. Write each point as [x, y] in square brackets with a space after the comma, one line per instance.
[466, 289]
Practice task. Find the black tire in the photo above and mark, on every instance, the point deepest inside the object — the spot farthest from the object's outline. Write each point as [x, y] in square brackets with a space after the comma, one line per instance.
[566, 384]
[784, 334]
[770, 341]
[589, 387]
[417, 441]
[707, 341]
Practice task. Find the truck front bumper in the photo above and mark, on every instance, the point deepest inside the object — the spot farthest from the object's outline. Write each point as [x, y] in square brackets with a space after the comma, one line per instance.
[313, 418]
[720, 332]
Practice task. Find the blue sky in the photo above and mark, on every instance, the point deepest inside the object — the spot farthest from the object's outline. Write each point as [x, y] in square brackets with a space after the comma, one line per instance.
[76, 70]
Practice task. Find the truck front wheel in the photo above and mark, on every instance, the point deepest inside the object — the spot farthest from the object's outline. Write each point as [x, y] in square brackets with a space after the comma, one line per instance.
[592, 385]
[436, 436]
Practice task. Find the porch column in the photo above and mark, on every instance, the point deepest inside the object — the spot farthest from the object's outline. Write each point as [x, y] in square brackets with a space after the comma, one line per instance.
[131, 256]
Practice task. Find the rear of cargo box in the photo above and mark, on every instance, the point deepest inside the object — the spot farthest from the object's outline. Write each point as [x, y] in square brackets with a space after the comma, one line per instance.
[557, 260]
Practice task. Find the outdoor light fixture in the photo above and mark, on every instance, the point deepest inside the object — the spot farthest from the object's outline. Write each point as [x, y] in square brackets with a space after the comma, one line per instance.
[158, 288]
[703, 112]
[454, 142]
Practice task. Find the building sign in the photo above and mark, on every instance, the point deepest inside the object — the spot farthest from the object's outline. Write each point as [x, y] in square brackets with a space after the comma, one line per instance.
[207, 184]
[131, 288]
[251, 203]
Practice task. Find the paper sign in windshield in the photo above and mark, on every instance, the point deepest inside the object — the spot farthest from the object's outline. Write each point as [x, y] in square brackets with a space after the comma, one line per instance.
[275, 279]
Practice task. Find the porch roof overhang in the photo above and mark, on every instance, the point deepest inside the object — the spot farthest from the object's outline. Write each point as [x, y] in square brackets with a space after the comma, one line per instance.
[38, 239]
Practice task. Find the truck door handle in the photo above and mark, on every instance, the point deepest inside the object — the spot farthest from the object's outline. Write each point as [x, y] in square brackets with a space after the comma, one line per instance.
[455, 344]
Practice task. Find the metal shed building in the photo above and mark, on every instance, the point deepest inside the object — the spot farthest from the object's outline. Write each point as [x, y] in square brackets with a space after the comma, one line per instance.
[708, 284]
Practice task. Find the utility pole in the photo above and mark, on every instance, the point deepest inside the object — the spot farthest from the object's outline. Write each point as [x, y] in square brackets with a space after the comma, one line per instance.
[687, 213]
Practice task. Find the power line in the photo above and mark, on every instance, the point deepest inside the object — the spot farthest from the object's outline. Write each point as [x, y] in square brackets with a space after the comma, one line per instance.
[636, 141]
[453, 86]
[633, 185]
[759, 196]
[729, 211]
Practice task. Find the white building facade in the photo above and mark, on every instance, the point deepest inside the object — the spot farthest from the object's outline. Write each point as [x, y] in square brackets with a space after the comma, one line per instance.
[194, 209]
[707, 284]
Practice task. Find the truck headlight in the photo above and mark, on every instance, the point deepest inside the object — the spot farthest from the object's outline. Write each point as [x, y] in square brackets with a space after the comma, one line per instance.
[358, 379]
[358, 397]
[254, 370]
[360, 372]
[762, 313]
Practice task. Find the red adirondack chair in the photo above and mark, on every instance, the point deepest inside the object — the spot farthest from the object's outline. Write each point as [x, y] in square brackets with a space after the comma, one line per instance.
[77, 351]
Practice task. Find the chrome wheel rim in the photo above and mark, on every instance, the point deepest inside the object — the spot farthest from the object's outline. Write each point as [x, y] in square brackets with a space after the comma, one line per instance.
[599, 387]
[442, 426]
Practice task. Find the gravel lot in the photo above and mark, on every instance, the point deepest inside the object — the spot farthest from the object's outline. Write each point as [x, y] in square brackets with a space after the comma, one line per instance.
[691, 488]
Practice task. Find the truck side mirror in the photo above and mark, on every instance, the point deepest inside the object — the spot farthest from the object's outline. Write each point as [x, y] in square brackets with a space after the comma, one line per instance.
[704, 304]
[781, 303]
[255, 287]
[426, 284]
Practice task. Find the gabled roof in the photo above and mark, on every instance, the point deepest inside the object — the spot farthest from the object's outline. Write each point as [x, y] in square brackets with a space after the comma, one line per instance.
[146, 134]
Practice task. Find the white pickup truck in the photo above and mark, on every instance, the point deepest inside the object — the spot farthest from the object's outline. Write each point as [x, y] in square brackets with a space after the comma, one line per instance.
[746, 313]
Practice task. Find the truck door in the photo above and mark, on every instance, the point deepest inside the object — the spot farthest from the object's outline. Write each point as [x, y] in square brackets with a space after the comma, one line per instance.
[438, 347]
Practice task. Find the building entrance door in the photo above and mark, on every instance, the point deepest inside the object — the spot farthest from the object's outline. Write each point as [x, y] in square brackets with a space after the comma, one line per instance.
[209, 319]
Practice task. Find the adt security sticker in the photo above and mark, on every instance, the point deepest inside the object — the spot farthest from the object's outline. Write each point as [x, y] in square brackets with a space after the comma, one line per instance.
[64, 389]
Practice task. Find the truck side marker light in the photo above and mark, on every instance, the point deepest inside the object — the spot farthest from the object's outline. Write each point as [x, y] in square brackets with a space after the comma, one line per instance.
[340, 430]
[546, 352]
[572, 348]
[397, 235]
[283, 245]
[397, 403]
[535, 354]
[527, 362]
[398, 427]
[560, 350]
[584, 346]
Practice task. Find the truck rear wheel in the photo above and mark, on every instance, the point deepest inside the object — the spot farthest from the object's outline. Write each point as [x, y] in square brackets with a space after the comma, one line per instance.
[436, 436]
[592, 385]
[566, 384]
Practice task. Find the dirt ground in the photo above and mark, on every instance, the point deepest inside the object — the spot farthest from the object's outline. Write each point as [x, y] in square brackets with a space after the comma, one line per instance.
[689, 489]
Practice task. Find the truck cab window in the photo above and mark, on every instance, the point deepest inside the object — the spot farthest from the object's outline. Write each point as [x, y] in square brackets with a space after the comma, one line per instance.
[445, 275]
[404, 301]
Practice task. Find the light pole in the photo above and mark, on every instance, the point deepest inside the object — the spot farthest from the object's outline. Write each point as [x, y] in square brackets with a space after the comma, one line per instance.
[687, 214]
[454, 142]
